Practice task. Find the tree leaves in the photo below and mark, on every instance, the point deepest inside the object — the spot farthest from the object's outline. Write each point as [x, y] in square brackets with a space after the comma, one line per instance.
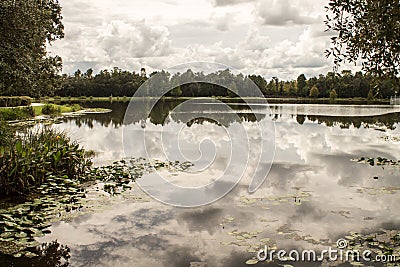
[367, 30]
[27, 27]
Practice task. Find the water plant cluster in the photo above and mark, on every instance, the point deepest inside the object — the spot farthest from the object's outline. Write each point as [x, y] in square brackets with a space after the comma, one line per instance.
[55, 110]
[379, 161]
[384, 244]
[61, 196]
[29, 157]
[19, 113]
[29, 112]
[49, 109]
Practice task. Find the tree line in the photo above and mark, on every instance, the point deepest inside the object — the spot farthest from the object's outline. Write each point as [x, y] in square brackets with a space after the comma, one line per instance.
[27, 28]
[364, 30]
[117, 82]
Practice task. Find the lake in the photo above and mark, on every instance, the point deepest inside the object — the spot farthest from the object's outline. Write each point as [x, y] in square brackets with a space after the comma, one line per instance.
[316, 191]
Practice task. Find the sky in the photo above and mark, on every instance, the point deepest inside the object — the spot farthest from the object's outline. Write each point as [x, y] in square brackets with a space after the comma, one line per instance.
[281, 38]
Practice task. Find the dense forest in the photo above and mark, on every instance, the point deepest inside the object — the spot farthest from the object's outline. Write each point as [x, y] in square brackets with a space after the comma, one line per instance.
[366, 30]
[119, 82]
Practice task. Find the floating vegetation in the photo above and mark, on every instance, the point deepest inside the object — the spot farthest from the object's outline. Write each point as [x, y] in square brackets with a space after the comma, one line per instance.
[60, 198]
[295, 199]
[96, 111]
[197, 264]
[43, 120]
[392, 138]
[244, 235]
[54, 114]
[50, 254]
[385, 244]
[344, 213]
[379, 161]
[20, 224]
[251, 262]
[379, 191]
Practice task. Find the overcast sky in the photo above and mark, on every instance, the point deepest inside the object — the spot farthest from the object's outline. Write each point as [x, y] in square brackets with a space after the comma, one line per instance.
[282, 38]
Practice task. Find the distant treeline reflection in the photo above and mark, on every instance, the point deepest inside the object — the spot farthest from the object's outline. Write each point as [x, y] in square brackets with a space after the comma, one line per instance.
[161, 114]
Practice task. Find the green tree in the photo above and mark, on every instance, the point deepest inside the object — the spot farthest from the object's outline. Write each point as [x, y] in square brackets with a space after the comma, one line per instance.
[232, 90]
[176, 92]
[367, 30]
[276, 88]
[292, 89]
[260, 82]
[314, 93]
[370, 95]
[301, 85]
[88, 73]
[27, 27]
[332, 96]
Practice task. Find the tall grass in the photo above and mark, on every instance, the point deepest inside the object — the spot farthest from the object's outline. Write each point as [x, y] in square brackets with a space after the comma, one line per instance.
[29, 157]
[14, 101]
[49, 109]
[56, 110]
[10, 114]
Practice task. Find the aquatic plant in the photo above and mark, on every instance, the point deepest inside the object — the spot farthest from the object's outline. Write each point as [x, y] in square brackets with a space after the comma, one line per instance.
[386, 243]
[50, 109]
[30, 157]
[62, 198]
[9, 114]
[379, 161]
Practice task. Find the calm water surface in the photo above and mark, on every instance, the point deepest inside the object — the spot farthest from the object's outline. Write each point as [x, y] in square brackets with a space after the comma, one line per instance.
[313, 195]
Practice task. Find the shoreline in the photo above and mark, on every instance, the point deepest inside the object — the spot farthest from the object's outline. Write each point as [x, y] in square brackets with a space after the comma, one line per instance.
[271, 100]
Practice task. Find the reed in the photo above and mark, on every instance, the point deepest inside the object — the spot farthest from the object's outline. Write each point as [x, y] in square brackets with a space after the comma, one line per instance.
[29, 156]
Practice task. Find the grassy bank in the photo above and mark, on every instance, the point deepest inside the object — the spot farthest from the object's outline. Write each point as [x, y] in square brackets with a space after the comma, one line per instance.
[54, 109]
[18, 113]
[272, 100]
[83, 99]
[15, 101]
[340, 101]
[21, 113]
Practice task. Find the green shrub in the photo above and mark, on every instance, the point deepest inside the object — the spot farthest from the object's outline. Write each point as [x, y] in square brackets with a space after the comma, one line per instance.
[332, 96]
[75, 107]
[6, 135]
[314, 93]
[30, 157]
[10, 114]
[370, 95]
[72, 107]
[15, 101]
[50, 109]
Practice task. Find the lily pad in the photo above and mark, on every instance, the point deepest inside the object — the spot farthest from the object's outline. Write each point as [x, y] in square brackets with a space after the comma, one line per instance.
[251, 262]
